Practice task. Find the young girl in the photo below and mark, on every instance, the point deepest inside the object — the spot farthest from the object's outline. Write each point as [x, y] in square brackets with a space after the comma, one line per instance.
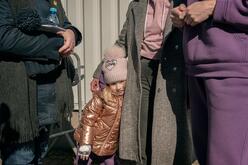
[98, 132]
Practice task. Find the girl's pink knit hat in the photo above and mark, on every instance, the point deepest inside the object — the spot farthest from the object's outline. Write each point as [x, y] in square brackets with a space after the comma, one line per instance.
[114, 65]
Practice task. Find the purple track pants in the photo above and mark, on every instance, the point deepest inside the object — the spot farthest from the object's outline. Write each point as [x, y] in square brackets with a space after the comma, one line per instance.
[220, 120]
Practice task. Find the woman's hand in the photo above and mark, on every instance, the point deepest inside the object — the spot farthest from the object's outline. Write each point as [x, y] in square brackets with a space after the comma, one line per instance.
[199, 11]
[69, 42]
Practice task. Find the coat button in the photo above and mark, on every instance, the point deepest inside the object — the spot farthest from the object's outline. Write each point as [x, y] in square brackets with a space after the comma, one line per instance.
[174, 90]
[174, 68]
[159, 89]
[176, 47]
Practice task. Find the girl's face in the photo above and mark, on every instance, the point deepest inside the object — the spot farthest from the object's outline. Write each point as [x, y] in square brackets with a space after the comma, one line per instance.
[118, 88]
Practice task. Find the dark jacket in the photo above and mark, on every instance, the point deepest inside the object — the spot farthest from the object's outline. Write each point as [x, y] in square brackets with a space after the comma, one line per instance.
[18, 97]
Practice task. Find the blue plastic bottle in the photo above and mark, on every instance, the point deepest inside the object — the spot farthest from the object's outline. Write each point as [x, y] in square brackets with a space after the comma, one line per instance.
[52, 17]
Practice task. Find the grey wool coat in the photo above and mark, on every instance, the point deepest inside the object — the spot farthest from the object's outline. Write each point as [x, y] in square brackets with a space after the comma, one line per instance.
[171, 142]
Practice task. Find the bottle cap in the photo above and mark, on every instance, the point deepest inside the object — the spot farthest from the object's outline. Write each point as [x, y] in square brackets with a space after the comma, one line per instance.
[53, 10]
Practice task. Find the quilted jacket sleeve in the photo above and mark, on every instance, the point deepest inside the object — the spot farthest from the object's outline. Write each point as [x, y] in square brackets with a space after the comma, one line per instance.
[84, 134]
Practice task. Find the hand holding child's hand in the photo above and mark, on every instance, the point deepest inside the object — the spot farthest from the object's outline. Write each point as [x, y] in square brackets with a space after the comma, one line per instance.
[177, 15]
[84, 151]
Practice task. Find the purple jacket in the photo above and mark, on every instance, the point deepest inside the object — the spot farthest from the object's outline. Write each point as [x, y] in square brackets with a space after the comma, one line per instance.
[218, 47]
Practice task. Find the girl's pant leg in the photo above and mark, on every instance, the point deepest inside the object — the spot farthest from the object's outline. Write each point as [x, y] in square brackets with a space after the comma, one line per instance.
[89, 161]
[110, 161]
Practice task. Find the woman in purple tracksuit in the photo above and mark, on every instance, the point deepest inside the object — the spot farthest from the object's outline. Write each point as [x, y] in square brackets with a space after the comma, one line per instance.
[216, 56]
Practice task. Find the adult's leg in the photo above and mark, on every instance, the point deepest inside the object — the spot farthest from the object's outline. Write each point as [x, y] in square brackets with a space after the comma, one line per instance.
[31, 152]
[19, 154]
[228, 121]
[41, 144]
[47, 115]
[198, 106]
[46, 100]
[110, 160]
[148, 81]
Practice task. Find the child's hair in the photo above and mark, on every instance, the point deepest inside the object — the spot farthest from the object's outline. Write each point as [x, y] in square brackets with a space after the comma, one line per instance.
[107, 94]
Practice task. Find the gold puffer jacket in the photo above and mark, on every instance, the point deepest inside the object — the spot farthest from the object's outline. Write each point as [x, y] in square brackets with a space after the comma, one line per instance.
[99, 125]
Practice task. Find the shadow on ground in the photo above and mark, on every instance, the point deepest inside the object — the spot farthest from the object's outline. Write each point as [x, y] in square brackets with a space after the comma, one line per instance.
[61, 153]
[59, 157]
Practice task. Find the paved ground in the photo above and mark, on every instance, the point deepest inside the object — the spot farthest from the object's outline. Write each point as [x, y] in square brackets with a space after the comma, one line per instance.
[63, 157]
[196, 163]
[59, 157]
[61, 153]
